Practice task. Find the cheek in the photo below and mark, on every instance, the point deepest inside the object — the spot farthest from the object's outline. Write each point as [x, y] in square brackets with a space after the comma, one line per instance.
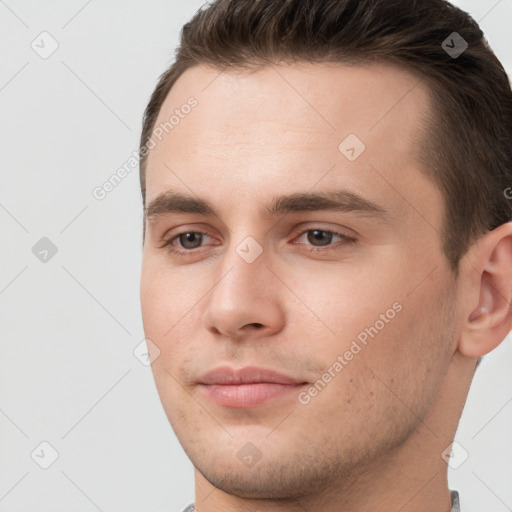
[368, 323]
[152, 300]
[171, 316]
[349, 303]
[164, 297]
[408, 355]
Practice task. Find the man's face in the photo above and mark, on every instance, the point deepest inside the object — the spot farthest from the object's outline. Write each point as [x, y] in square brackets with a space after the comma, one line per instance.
[355, 305]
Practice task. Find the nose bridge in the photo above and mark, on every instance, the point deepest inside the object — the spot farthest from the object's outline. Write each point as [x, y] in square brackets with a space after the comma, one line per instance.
[243, 270]
[242, 294]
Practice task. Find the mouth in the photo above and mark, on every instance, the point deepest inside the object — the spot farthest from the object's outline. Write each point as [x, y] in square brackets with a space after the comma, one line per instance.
[247, 387]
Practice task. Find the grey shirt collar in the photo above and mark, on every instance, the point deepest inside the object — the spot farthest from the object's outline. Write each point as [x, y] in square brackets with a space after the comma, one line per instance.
[455, 503]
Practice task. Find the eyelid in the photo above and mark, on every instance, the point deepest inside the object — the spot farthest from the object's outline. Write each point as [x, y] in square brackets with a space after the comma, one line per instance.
[338, 230]
[348, 235]
[345, 240]
[330, 231]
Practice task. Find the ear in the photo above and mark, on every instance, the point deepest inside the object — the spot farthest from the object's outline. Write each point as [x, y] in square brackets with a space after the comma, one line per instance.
[487, 274]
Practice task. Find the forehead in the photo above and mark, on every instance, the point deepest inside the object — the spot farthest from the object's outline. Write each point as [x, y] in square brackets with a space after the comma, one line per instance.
[286, 125]
[321, 96]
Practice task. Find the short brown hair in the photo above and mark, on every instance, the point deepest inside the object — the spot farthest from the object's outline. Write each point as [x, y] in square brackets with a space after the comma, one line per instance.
[468, 150]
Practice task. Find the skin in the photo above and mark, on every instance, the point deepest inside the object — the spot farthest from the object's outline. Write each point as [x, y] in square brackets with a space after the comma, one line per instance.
[372, 438]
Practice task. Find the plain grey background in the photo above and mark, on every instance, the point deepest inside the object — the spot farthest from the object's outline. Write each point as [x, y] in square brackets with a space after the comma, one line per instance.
[70, 323]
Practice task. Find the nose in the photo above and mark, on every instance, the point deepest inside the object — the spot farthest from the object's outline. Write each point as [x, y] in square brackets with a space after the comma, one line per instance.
[245, 300]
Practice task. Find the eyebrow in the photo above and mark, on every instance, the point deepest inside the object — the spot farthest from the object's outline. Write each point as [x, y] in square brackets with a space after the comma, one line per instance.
[340, 200]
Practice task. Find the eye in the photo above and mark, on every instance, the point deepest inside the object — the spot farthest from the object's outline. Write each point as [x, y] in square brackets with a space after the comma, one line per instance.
[319, 238]
[190, 240]
[185, 242]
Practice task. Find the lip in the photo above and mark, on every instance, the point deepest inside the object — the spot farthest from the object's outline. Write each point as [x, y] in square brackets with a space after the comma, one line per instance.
[225, 375]
[246, 387]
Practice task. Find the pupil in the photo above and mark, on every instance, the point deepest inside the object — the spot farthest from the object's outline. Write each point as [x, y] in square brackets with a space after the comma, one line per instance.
[316, 236]
[191, 240]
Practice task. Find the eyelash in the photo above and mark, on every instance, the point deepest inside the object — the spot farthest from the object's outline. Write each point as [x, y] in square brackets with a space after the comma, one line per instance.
[347, 241]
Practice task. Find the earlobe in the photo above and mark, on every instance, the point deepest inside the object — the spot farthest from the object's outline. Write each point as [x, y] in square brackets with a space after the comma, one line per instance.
[489, 322]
